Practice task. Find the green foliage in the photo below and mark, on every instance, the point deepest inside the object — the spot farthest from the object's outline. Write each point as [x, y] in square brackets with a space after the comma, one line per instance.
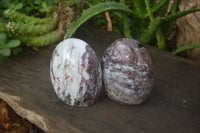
[6, 47]
[20, 17]
[94, 10]
[149, 17]
[159, 34]
[179, 14]
[18, 6]
[26, 29]
[39, 8]
[17, 50]
[42, 40]
[45, 8]
[35, 31]
[125, 23]
[140, 7]
[126, 27]
[137, 22]
[159, 5]
[149, 34]
[144, 20]
[167, 27]
[184, 48]
[3, 38]
[12, 44]
[11, 4]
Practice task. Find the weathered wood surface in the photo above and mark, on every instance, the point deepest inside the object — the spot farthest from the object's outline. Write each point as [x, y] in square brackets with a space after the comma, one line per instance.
[173, 107]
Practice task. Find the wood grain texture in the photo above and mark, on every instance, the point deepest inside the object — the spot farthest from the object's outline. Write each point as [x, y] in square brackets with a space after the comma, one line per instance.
[189, 28]
[173, 105]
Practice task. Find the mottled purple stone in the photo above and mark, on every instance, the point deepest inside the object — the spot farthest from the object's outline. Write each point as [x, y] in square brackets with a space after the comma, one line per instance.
[127, 72]
[76, 73]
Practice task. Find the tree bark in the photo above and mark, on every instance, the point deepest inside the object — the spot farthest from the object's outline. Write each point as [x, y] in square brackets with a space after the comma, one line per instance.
[189, 28]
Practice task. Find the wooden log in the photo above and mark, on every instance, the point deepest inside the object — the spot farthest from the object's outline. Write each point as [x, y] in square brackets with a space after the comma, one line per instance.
[173, 105]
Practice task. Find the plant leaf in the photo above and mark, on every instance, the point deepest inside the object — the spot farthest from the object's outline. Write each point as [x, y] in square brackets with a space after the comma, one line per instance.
[126, 27]
[16, 50]
[44, 4]
[186, 47]
[94, 10]
[149, 33]
[140, 7]
[3, 38]
[125, 22]
[178, 15]
[13, 44]
[18, 6]
[169, 26]
[5, 51]
[174, 7]
[157, 6]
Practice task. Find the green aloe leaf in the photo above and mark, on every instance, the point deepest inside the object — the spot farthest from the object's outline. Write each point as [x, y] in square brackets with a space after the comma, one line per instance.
[186, 47]
[140, 7]
[94, 10]
[13, 44]
[174, 7]
[126, 27]
[169, 26]
[125, 22]
[157, 6]
[149, 34]
[179, 14]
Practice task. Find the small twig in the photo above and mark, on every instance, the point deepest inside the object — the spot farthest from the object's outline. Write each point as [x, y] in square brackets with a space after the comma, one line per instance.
[109, 22]
[169, 7]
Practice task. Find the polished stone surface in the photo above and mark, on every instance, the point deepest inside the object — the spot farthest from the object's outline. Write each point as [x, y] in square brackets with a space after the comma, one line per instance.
[127, 72]
[76, 72]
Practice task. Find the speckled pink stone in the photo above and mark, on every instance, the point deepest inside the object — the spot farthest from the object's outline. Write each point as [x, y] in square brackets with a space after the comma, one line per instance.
[76, 73]
[127, 72]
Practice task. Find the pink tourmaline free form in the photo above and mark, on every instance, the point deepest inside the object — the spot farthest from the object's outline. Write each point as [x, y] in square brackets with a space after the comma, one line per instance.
[127, 71]
[75, 73]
